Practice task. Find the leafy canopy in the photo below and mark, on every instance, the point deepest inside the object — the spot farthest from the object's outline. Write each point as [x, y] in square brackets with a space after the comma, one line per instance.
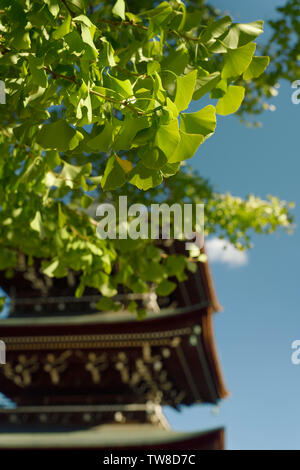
[97, 100]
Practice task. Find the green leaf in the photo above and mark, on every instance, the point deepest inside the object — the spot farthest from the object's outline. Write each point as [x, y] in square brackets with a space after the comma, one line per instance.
[87, 37]
[202, 122]
[238, 60]
[21, 39]
[114, 175]
[107, 290]
[129, 128]
[37, 225]
[75, 42]
[106, 304]
[152, 158]
[122, 87]
[132, 306]
[54, 268]
[52, 159]
[102, 141]
[51, 267]
[86, 201]
[167, 137]
[84, 20]
[61, 216]
[36, 67]
[160, 13]
[176, 61]
[194, 129]
[8, 258]
[53, 7]
[192, 267]
[256, 67]
[2, 302]
[153, 67]
[58, 135]
[206, 84]
[119, 9]
[216, 29]
[231, 101]
[107, 56]
[170, 169]
[241, 34]
[73, 172]
[219, 90]
[175, 264]
[187, 147]
[165, 288]
[145, 178]
[153, 272]
[185, 86]
[63, 29]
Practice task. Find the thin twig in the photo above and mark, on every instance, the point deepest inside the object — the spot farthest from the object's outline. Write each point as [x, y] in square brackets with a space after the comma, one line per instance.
[125, 23]
[59, 75]
[96, 93]
[145, 28]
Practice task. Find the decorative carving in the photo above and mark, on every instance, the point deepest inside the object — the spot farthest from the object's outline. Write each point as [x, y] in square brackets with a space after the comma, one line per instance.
[56, 364]
[21, 371]
[94, 364]
[148, 376]
[144, 370]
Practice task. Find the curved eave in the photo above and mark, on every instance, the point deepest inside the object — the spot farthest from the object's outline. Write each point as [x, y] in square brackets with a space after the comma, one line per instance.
[212, 355]
[208, 331]
[114, 437]
[209, 285]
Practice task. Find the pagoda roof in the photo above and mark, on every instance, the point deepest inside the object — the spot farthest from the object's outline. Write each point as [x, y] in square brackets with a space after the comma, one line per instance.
[169, 357]
[115, 437]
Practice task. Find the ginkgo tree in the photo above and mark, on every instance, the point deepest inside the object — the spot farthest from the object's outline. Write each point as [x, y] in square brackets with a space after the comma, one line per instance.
[283, 46]
[97, 98]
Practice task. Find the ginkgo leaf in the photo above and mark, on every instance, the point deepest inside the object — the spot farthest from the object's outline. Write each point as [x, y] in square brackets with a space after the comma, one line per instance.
[119, 9]
[145, 178]
[194, 129]
[187, 146]
[185, 86]
[114, 175]
[102, 141]
[241, 34]
[206, 84]
[165, 288]
[152, 157]
[257, 66]
[63, 29]
[58, 135]
[201, 122]
[167, 137]
[216, 29]
[238, 60]
[37, 225]
[231, 101]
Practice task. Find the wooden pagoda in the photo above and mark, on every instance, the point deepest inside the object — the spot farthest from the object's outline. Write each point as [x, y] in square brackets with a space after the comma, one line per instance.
[98, 381]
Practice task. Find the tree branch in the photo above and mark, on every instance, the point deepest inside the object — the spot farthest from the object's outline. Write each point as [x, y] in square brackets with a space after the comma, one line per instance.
[96, 93]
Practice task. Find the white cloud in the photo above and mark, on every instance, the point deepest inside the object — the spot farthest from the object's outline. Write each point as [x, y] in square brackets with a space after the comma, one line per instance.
[222, 251]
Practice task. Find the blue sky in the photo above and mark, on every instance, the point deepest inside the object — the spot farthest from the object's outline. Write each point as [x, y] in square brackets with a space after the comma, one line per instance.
[261, 299]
